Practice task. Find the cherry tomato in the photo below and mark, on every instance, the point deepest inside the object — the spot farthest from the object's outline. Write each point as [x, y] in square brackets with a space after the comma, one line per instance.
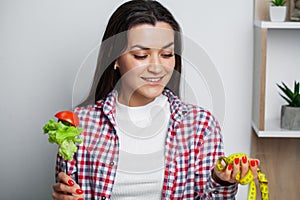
[68, 116]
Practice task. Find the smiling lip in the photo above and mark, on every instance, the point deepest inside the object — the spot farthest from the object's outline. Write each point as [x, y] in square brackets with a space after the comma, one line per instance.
[153, 80]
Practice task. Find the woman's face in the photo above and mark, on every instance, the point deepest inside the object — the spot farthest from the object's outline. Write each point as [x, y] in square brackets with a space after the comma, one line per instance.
[147, 64]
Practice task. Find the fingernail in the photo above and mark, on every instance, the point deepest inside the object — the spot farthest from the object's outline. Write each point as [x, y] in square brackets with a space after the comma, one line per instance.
[71, 182]
[256, 162]
[229, 167]
[244, 159]
[80, 199]
[237, 161]
[252, 163]
[79, 191]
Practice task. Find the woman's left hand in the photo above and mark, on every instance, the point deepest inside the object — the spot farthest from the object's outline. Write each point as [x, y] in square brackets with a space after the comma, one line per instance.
[241, 164]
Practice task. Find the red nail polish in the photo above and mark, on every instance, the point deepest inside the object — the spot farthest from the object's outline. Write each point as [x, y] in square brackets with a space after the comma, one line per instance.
[244, 159]
[79, 191]
[252, 163]
[80, 199]
[71, 182]
[229, 167]
[237, 161]
[256, 162]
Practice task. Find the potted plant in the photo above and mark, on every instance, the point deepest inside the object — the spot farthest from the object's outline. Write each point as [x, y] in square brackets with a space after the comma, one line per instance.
[290, 113]
[295, 10]
[278, 10]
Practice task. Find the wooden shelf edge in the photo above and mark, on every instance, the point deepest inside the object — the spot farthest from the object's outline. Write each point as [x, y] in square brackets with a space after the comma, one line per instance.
[277, 25]
[275, 133]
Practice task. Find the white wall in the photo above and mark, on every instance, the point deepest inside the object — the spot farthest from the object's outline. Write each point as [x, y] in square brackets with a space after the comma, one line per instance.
[42, 47]
[282, 56]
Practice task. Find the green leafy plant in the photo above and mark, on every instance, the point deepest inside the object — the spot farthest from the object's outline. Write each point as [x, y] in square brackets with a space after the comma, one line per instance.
[291, 97]
[278, 2]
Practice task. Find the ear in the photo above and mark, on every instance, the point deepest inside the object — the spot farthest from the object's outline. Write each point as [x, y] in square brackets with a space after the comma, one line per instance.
[117, 63]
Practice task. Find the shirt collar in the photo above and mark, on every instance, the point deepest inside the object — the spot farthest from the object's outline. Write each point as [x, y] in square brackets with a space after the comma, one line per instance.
[177, 107]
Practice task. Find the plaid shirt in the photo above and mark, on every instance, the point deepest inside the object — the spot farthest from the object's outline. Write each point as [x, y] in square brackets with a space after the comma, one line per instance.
[193, 144]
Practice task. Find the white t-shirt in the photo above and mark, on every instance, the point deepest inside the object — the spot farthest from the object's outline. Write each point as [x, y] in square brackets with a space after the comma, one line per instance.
[142, 132]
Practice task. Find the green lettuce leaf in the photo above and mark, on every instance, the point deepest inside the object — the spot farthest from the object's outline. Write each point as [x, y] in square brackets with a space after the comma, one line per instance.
[63, 135]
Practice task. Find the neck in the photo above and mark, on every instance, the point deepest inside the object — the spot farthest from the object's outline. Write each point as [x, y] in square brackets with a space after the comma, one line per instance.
[134, 99]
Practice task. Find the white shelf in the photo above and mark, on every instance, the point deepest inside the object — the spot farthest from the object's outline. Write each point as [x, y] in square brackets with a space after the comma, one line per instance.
[273, 130]
[277, 25]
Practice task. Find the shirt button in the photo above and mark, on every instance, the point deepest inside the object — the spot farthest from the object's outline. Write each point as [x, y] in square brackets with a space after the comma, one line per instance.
[111, 164]
[216, 192]
[103, 197]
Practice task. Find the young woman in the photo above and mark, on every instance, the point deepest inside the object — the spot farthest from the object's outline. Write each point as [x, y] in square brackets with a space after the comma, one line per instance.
[140, 141]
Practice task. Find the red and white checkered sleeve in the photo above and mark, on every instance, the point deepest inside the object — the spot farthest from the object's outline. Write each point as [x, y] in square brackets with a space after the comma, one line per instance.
[210, 145]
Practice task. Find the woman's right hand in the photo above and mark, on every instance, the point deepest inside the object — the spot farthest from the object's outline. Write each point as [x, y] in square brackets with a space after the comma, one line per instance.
[66, 189]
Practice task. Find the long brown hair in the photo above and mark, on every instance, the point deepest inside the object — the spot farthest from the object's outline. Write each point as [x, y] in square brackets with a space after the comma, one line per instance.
[114, 43]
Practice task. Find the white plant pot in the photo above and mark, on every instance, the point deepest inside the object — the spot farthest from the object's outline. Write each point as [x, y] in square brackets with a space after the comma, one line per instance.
[278, 13]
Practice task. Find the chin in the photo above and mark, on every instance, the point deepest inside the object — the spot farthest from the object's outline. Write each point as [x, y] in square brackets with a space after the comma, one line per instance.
[152, 93]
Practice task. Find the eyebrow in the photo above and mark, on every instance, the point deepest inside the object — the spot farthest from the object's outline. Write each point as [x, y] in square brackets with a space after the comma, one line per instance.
[147, 48]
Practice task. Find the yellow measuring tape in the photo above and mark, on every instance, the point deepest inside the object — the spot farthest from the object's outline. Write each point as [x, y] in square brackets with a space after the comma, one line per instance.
[248, 178]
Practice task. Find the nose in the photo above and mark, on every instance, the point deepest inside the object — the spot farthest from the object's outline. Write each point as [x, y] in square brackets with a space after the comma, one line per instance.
[155, 65]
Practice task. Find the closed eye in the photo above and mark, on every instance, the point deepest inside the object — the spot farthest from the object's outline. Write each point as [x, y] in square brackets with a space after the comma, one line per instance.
[167, 55]
[140, 57]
